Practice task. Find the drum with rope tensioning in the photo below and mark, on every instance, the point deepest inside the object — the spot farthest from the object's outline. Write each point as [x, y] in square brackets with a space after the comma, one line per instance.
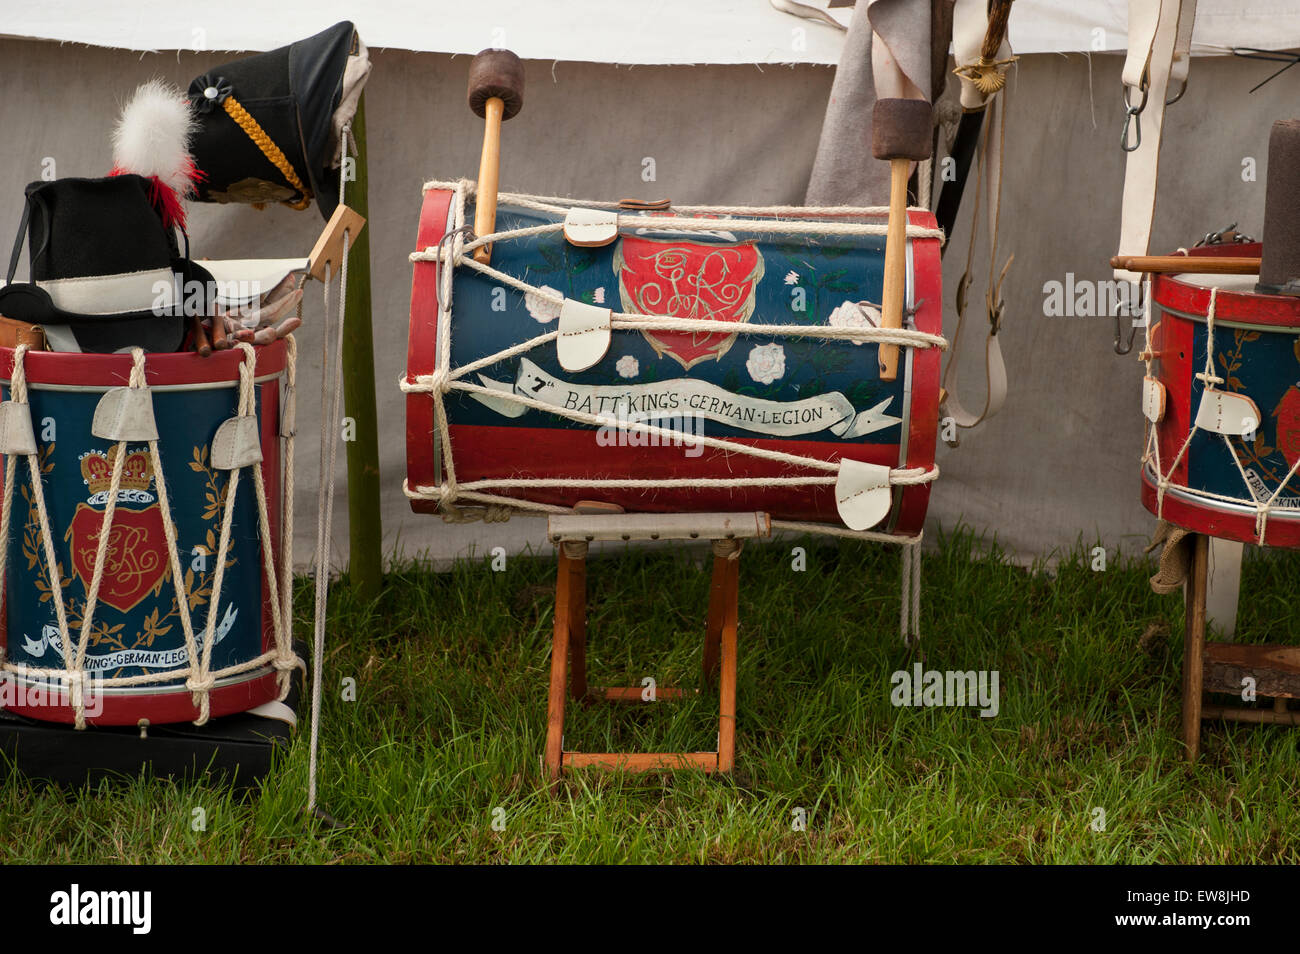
[1222, 403]
[145, 573]
[670, 360]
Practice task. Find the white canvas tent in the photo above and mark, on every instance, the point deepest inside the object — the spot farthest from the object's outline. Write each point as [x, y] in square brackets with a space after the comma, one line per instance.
[698, 87]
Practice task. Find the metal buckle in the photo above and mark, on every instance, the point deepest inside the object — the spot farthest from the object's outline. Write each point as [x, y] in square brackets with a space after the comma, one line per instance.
[1216, 238]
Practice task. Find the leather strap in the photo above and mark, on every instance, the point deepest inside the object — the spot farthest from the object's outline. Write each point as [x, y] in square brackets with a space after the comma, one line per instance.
[987, 196]
[14, 332]
[18, 239]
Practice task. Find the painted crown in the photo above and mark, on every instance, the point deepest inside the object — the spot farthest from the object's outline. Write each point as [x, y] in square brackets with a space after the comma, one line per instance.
[97, 471]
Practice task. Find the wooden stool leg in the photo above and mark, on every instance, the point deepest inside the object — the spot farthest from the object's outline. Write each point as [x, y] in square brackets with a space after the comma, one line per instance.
[564, 579]
[727, 689]
[717, 614]
[578, 624]
[1194, 647]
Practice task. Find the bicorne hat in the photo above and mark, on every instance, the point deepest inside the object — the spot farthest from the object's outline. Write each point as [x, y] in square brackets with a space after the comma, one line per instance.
[269, 124]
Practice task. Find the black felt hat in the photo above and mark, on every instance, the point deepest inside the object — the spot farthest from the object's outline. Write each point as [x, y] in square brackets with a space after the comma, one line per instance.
[106, 274]
[267, 122]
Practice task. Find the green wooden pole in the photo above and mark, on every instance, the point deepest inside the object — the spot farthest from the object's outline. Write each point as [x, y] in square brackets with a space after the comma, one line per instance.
[365, 526]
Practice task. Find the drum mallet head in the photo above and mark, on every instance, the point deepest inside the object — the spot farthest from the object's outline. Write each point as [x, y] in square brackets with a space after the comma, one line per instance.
[496, 93]
[901, 131]
[496, 74]
[1279, 267]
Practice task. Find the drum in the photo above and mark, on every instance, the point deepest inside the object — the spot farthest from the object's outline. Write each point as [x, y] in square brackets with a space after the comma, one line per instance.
[670, 360]
[129, 630]
[1222, 402]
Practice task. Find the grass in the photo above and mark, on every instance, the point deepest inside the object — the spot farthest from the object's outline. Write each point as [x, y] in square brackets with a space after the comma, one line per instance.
[447, 729]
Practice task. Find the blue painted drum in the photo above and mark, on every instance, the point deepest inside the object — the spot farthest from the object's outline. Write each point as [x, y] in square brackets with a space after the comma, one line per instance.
[1222, 400]
[136, 637]
[698, 419]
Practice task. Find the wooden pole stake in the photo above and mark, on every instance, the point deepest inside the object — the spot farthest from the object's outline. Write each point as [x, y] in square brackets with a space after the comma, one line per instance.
[365, 524]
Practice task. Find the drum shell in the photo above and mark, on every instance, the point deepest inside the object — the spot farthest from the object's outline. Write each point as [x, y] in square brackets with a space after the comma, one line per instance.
[1257, 353]
[536, 448]
[192, 396]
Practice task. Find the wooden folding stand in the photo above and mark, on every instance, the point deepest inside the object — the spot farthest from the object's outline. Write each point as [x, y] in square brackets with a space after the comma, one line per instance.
[1223, 667]
[571, 534]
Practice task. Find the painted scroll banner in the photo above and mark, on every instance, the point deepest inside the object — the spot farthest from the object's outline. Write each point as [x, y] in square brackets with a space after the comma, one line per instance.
[633, 403]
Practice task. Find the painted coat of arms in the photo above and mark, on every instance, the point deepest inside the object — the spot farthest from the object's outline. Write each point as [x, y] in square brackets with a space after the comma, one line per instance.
[688, 280]
[135, 561]
[136, 625]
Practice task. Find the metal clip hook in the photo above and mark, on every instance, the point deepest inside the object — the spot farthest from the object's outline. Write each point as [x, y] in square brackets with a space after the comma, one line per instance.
[1134, 323]
[1133, 119]
[1119, 336]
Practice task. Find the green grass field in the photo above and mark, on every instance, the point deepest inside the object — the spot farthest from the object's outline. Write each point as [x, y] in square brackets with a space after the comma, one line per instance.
[446, 733]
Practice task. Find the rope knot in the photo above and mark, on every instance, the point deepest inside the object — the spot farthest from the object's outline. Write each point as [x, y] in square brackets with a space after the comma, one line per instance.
[447, 494]
[196, 685]
[440, 381]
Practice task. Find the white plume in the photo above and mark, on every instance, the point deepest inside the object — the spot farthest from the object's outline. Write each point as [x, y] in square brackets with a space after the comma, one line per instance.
[153, 136]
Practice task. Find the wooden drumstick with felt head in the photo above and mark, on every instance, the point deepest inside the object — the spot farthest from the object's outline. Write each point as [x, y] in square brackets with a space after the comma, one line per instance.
[496, 93]
[901, 131]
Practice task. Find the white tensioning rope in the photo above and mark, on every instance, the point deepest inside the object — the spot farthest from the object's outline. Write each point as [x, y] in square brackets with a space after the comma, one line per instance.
[560, 206]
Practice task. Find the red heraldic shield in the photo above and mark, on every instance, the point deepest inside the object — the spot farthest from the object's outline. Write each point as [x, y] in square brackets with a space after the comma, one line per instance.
[136, 559]
[1288, 425]
[688, 280]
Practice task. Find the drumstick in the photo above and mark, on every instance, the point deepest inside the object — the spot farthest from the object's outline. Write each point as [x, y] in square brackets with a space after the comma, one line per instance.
[901, 131]
[496, 93]
[1187, 264]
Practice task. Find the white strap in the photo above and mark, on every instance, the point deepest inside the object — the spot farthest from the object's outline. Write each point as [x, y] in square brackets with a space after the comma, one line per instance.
[1143, 24]
[1182, 53]
[1144, 121]
[995, 371]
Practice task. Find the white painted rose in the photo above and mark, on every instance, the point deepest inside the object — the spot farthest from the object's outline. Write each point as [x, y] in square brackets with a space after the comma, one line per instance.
[628, 366]
[541, 308]
[766, 363]
[855, 314]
